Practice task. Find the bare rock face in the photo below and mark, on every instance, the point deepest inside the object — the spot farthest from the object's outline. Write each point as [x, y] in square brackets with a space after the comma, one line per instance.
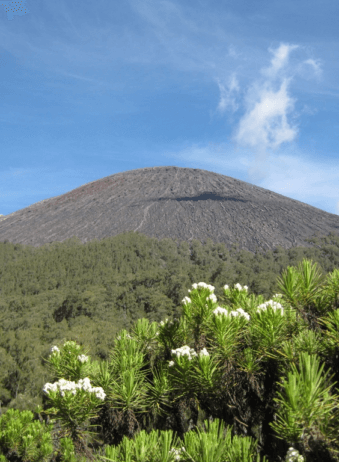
[171, 202]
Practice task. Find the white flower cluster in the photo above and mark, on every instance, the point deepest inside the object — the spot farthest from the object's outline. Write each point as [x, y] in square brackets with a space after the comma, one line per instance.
[176, 452]
[184, 351]
[220, 310]
[55, 349]
[236, 286]
[84, 384]
[212, 297]
[211, 289]
[203, 285]
[293, 456]
[273, 304]
[204, 352]
[239, 311]
[187, 351]
[186, 300]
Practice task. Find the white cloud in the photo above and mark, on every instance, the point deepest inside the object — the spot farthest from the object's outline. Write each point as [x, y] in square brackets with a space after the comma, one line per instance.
[227, 98]
[264, 125]
[306, 67]
[279, 60]
[266, 119]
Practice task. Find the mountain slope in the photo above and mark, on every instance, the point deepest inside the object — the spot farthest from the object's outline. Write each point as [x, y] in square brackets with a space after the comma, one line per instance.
[173, 202]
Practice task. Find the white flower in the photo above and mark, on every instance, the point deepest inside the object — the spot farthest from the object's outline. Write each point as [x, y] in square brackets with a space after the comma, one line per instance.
[65, 385]
[293, 456]
[238, 286]
[241, 312]
[212, 297]
[186, 300]
[184, 351]
[85, 384]
[220, 310]
[83, 358]
[176, 452]
[55, 349]
[203, 352]
[238, 312]
[100, 394]
[50, 386]
[203, 285]
[171, 363]
[274, 305]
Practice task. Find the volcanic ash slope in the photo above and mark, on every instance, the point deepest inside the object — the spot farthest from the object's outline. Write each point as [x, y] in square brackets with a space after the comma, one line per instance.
[171, 202]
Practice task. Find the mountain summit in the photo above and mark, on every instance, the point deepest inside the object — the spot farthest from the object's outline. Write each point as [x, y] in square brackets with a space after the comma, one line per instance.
[173, 202]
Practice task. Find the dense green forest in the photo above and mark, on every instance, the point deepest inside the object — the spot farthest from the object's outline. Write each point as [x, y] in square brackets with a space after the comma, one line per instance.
[89, 292]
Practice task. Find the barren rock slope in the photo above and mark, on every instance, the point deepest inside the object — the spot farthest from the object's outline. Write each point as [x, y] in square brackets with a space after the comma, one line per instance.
[174, 202]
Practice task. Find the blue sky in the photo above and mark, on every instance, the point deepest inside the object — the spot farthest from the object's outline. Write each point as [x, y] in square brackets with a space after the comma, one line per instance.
[247, 89]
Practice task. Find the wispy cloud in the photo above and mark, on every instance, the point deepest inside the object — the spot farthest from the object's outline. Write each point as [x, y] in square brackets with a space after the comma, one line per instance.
[265, 127]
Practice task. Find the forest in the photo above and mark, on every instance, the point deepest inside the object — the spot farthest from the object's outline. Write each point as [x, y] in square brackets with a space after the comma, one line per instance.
[89, 292]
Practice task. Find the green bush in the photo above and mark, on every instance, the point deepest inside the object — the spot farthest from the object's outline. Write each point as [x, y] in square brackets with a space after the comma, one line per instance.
[20, 436]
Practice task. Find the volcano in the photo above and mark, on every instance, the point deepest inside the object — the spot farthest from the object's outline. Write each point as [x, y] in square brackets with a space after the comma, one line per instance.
[171, 202]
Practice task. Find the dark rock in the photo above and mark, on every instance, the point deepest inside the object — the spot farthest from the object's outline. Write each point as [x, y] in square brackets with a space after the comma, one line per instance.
[173, 202]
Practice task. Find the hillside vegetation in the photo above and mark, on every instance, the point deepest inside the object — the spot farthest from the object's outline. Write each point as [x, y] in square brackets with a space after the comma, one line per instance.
[89, 292]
